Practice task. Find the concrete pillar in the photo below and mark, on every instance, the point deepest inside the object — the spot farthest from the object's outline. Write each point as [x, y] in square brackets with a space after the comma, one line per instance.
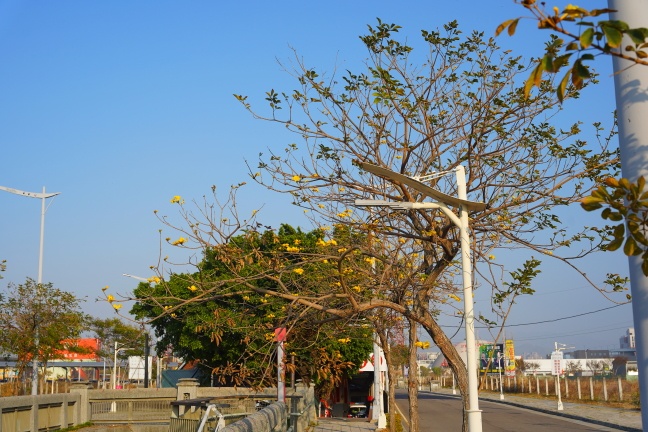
[83, 411]
[187, 389]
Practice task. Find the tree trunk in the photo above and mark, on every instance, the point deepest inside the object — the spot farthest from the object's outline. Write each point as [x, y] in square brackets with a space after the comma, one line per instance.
[412, 379]
[451, 355]
[391, 391]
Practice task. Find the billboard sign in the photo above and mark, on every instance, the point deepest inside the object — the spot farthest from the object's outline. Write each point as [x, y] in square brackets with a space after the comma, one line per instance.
[497, 358]
[136, 367]
[509, 357]
[491, 358]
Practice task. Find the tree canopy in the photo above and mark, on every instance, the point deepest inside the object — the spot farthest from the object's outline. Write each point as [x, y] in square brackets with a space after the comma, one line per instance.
[36, 319]
[216, 317]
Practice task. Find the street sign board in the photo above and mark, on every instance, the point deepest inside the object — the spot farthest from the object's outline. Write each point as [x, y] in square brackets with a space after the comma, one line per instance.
[556, 363]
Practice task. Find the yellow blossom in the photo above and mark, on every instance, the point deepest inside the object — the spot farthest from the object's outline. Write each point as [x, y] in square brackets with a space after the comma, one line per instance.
[270, 315]
[246, 298]
[491, 257]
[370, 260]
[104, 288]
[177, 199]
[315, 189]
[110, 298]
[341, 189]
[325, 261]
[454, 297]
[342, 250]
[344, 340]
[296, 178]
[299, 271]
[264, 300]
[357, 288]
[117, 306]
[154, 279]
[178, 242]
[332, 242]
[321, 205]
[193, 288]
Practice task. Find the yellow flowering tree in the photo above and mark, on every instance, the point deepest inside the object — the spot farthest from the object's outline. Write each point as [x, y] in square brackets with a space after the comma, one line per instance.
[223, 315]
[418, 112]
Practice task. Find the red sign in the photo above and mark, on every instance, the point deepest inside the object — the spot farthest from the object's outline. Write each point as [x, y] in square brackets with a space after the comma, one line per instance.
[280, 334]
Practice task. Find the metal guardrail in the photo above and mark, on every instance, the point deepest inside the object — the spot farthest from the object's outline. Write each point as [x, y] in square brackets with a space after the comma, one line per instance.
[129, 411]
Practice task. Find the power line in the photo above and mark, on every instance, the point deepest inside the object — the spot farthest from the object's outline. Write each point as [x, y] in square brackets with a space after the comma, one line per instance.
[563, 318]
[554, 319]
[571, 334]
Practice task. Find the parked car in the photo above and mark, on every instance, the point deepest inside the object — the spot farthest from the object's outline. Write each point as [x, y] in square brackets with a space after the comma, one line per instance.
[357, 410]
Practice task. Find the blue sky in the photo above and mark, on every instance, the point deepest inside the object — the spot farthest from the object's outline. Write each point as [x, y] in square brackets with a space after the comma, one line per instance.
[119, 105]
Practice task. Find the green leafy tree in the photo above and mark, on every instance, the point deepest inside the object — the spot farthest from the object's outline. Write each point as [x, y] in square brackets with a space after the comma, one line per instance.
[36, 320]
[111, 330]
[579, 35]
[216, 316]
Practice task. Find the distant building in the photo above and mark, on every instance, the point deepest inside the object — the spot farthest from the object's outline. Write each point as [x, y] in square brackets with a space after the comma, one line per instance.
[628, 340]
[588, 354]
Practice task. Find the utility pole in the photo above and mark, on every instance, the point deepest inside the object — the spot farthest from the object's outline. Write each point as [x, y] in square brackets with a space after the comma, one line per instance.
[631, 84]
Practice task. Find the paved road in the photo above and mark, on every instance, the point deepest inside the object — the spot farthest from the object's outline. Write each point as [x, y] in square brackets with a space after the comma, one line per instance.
[439, 412]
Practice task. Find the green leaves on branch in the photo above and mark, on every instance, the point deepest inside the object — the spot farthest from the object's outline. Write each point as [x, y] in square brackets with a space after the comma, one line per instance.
[625, 202]
[521, 283]
[603, 37]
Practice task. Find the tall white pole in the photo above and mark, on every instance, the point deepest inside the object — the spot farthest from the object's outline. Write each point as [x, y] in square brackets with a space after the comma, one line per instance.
[631, 85]
[42, 238]
[114, 378]
[377, 411]
[281, 373]
[43, 196]
[474, 414]
[39, 281]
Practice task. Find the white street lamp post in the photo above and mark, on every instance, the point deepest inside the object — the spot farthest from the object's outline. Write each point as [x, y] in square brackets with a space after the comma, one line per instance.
[474, 413]
[499, 369]
[114, 377]
[557, 369]
[42, 196]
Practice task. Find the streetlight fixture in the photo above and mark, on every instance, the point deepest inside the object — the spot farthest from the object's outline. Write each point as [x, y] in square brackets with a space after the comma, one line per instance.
[461, 221]
[42, 196]
[114, 386]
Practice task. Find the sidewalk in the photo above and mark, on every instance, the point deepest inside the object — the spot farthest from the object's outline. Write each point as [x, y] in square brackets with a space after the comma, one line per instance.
[619, 418]
[344, 425]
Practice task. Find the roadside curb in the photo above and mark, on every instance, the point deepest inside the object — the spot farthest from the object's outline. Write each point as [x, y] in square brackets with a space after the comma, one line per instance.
[552, 412]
